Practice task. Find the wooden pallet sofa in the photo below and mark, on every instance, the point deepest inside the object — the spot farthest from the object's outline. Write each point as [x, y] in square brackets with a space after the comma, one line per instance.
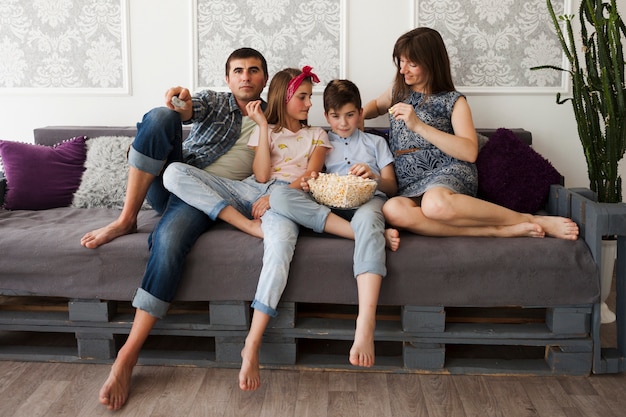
[448, 305]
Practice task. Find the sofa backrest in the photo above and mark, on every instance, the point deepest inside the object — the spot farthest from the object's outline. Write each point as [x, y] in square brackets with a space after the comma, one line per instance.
[52, 135]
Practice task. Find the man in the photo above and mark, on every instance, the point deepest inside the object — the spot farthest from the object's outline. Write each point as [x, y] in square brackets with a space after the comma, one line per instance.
[217, 143]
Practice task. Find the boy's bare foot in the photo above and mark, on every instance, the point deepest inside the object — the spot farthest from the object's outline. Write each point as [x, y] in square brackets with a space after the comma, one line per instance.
[249, 375]
[392, 239]
[107, 233]
[362, 351]
[116, 388]
[559, 227]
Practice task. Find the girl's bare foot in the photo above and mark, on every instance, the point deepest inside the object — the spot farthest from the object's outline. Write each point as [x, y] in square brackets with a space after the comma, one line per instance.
[559, 227]
[255, 229]
[392, 239]
[249, 375]
[116, 388]
[362, 351]
[107, 233]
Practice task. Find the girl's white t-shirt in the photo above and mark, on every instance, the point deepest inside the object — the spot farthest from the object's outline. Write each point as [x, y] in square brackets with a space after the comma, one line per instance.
[290, 151]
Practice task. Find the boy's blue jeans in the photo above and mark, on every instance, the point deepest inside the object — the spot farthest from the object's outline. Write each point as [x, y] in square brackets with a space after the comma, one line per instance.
[159, 142]
[367, 222]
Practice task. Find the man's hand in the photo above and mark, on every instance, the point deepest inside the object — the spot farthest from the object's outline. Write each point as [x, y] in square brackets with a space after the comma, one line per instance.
[183, 94]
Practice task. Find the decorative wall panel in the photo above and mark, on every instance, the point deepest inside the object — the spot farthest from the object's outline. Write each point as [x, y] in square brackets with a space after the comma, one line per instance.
[493, 43]
[289, 33]
[64, 45]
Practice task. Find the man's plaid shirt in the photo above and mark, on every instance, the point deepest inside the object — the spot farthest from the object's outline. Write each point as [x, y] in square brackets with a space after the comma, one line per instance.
[216, 127]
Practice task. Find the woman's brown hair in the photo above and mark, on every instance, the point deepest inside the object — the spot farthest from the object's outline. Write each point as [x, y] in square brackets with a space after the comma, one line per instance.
[424, 47]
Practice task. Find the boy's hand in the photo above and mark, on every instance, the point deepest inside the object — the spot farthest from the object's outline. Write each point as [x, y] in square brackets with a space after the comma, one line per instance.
[363, 171]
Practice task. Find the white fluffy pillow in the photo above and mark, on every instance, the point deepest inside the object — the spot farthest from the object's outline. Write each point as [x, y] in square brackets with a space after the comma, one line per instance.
[106, 172]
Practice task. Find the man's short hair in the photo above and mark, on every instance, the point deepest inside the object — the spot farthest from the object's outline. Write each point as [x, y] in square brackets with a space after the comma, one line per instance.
[338, 93]
[244, 53]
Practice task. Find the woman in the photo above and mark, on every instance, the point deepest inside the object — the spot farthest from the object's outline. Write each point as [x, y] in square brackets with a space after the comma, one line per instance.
[435, 146]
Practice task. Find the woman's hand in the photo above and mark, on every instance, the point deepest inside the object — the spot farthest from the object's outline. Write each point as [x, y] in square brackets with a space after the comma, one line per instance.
[260, 206]
[405, 112]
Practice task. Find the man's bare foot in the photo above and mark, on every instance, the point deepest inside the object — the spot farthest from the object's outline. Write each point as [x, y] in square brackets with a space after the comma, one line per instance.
[559, 227]
[107, 233]
[249, 375]
[392, 239]
[116, 388]
[362, 351]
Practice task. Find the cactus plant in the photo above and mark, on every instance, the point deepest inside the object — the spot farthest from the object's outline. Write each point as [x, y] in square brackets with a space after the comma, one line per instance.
[598, 91]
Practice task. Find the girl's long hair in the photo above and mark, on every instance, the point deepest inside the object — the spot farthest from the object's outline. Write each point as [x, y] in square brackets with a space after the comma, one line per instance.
[276, 111]
[424, 47]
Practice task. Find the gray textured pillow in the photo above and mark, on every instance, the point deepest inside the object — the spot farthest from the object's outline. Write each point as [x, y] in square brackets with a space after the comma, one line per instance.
[106, 172]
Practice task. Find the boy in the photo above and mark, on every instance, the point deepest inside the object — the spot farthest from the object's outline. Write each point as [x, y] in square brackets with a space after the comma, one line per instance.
[368, 156]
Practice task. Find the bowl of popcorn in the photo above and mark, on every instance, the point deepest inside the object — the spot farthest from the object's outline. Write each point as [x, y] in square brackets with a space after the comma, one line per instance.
[342, 191]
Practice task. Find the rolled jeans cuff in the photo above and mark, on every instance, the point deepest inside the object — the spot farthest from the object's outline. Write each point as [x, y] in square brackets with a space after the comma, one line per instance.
[370, 267]
[150, 304]
[257, 305]
[144, 163]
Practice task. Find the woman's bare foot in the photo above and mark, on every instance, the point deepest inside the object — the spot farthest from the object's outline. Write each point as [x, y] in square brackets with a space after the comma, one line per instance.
[107, 233]
[392, 239]
[116, 388]
[559, 227]
[526, 229]
[362, 351]
[249, 375]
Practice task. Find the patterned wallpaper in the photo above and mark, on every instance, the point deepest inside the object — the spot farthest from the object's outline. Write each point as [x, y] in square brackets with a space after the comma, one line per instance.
[493, 43]
[289, 33]
[63, 44]
[82, 45]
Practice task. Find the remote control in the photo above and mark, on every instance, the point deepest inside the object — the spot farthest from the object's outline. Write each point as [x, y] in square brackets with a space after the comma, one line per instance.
[177, 102]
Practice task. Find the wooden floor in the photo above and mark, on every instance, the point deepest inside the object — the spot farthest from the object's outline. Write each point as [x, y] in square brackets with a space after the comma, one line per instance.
[30, 389]
[48, 389]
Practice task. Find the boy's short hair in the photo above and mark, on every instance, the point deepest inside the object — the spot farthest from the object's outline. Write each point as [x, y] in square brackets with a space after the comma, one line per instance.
[338, 93]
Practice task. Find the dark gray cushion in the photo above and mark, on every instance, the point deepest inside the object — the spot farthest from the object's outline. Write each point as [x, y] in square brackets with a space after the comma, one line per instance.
[41, 255]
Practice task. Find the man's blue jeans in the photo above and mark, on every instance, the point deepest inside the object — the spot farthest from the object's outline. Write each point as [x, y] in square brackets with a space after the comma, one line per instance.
[158, 143]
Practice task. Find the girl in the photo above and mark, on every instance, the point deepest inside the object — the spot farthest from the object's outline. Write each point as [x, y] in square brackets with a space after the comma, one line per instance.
[435, 146]
[287, 151]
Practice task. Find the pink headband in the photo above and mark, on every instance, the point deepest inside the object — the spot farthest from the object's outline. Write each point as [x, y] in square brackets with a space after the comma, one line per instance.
[295, 82]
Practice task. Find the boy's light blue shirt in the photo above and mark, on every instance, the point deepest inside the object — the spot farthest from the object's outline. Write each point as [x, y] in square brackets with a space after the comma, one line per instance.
[360, 147]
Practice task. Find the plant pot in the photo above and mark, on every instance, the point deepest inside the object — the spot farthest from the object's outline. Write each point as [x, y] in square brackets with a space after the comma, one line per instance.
[607, 268]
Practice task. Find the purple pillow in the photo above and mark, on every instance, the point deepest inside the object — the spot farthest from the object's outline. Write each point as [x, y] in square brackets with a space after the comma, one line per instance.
[42, 177]
[513, 175]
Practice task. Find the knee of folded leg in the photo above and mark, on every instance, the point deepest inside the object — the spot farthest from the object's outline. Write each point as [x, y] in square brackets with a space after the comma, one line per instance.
[172, 174]
[278, 199]
[437, 208]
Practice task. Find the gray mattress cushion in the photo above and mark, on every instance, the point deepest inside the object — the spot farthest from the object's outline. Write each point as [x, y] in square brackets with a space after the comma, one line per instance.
[40, 254]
